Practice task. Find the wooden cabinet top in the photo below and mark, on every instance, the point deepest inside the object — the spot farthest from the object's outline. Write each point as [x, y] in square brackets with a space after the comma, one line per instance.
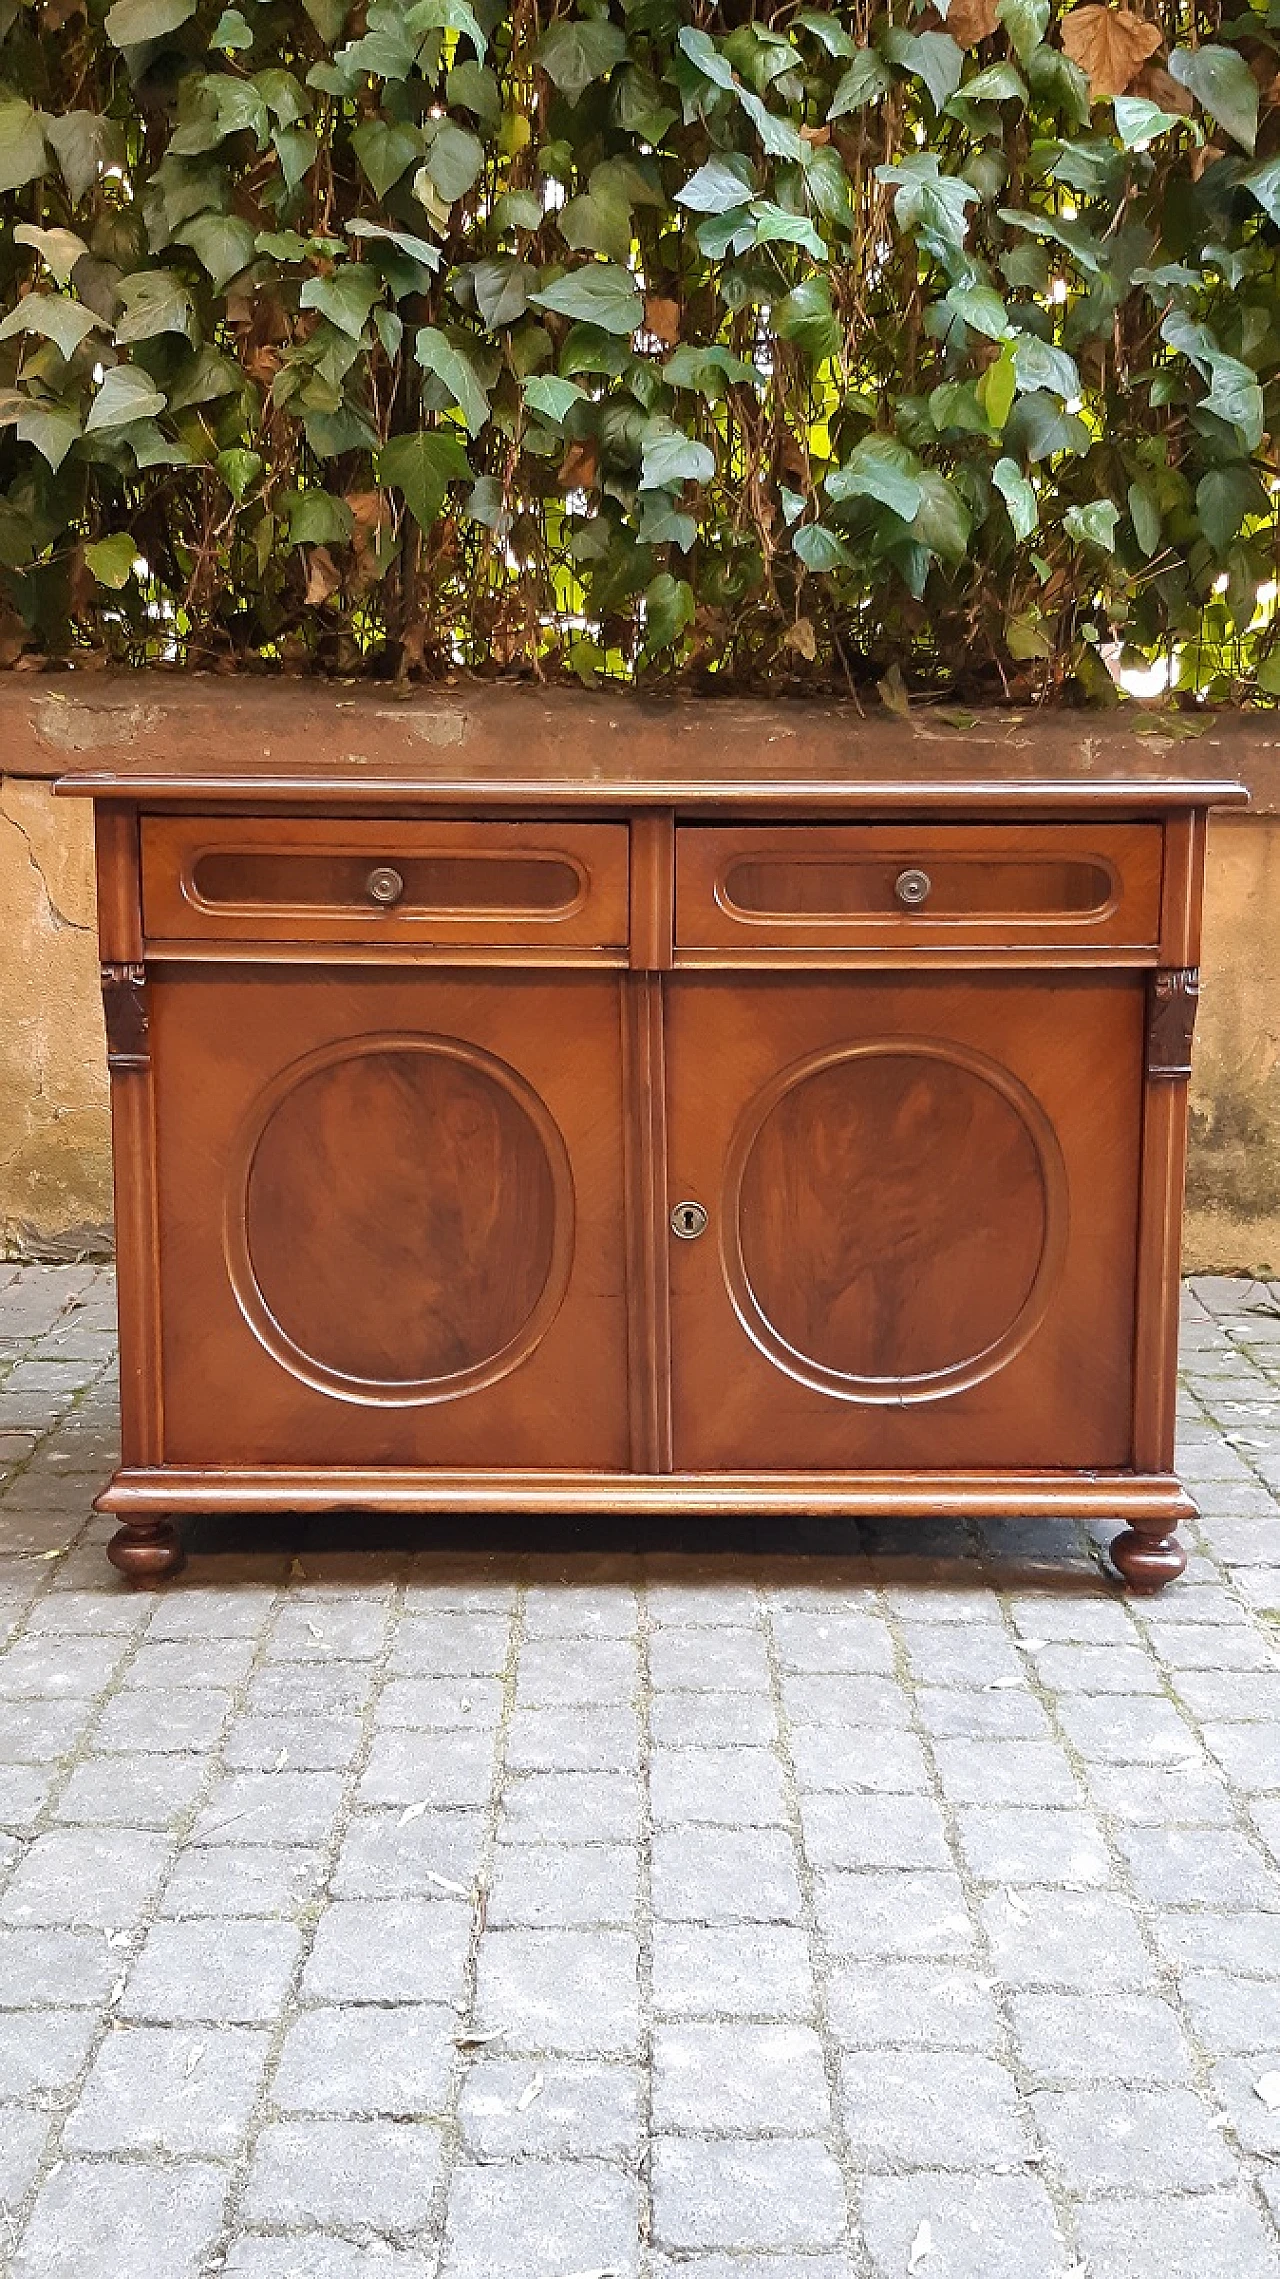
[203, 739]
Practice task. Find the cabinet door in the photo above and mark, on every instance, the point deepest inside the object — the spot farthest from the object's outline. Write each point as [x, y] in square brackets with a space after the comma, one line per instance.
[390, 1216]
[922, 1201]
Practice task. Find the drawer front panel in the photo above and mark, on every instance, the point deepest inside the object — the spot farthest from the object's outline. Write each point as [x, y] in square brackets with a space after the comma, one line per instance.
[262, 879]
[937, 886]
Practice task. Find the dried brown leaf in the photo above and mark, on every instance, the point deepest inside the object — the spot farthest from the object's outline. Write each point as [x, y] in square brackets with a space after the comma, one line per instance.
[969, 21]
[323, 580]
[580, 465]
[662, 319]
[1110, 45]
[1160, 86]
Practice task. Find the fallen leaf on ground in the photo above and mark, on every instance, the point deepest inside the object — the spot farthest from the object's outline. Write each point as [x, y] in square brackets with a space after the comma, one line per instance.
[194, 2058]
[1110, 45]
[921, 2246]
[442, 1880]
[527, 2095]
[411, 1812]
[1268, 2088]
[1017, 1907]
[477, 2039]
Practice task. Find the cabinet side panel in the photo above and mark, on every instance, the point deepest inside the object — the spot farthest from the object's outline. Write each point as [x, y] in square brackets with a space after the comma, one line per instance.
[1164, 1153]
[648, 1291]
[133, 1151]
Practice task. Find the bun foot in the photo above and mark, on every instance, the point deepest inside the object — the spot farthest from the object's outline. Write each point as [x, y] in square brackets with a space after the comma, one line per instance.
[147, 1552]
[1146, 1562]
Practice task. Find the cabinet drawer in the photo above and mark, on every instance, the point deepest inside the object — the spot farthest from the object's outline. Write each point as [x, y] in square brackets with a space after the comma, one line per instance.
[934, 886]
[263, 879]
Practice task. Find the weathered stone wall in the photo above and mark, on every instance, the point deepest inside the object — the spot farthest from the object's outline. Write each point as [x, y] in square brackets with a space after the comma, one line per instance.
[55, 1183]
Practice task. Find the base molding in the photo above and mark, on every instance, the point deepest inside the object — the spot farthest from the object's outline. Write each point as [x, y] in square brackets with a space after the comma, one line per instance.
[1152, 1502]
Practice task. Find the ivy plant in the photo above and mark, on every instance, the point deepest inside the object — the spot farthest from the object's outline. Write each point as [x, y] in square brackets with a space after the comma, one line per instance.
[934, 344]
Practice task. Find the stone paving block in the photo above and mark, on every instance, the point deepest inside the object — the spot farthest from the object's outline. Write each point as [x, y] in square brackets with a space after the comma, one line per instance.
[294, 1744]
[1230, 1697]
[1231, 2015]
[582, 1737]
[942, 1654]
[228, 1973]
[1013, 1845]
[1071, 1939]
[1244, 1944]
[880, 1914]
[103, 1878]
[24, 1792]
[428, 1705]
[508, 2221]
[451, 1645]
[350, 2175]
[1211, 1646]
[171, 1663]
[709, 1720]
[779, 2195]
[1161, 1796]
[986, 2227]
[249, 1879]
[709, 1661]
[832, 1643]
[549, 2109]
[1218, 2236]
[202, 1611]
[1004, 1772]
[907, 2005]
[270, 1808]
[1189, 1867]
[150, 1792]
[309, 1689]
[397, 1950]
[185, 2091]
[565, 1992]
[1106, 2139]
[1248, 1754]
[45, 1966]
[1070, 1617]
[385, 1856]
[1143, 1730]
[569, 1808]
[41, 2050]
[259, 2256]
[599, 1610]
[556, 1671]
[741, 1788]
[959, 1713]
[389, 2064]
[314, 1630]
[931, 2109]
[53, 1668]
[739, 2081]
[1081, 1669]
[739, 1970]
[833, 1759]
[724, 1875]
[873, 1832]
[95, 2220]
[1234, 2087]
[435, 1769]
[22, 2141]
[1065, 2039]
[562, 1885]
[191, 1719]
[803, 2266]
[861, 1703]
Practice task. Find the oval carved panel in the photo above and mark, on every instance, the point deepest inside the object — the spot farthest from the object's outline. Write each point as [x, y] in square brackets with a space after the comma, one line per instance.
[399, 1219]
[895, 1216]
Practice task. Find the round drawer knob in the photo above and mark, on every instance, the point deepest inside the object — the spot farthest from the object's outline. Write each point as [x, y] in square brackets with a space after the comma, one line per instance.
[384, 885]
[912, 888]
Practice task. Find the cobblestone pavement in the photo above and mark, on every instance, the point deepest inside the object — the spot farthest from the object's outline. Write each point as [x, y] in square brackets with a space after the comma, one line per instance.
[800, 1909]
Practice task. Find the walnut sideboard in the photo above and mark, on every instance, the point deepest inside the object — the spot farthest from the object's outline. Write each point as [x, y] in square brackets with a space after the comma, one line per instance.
[637, 1116]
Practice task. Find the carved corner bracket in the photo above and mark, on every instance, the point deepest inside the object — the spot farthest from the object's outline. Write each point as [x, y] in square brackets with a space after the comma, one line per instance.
[1173, 993]
[124, 1005]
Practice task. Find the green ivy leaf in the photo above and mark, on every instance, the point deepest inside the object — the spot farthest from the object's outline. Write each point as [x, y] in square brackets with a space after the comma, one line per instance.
[1223, 85]
[22, 151]
[828, 29]
[1224, 497]
[806, 316]
[225, 245]
[422, 467]
[385, 152]
[882, 469]
[866, 80]
[239, 470]
[131, 22]
[706, 58]
[436, 353]
[455, 158]
[1140, 121]
[345, 298]
[575, 52]
[821, 549]
[723, 184]
[552, 398]
[1093, 525]
[669, 458]
[1018, 495]
[51, 316]
[111, 560]
[599, 294]
[1144, 514]
[127, 394]
[669, 607]
[155, 302]
[51, 430]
